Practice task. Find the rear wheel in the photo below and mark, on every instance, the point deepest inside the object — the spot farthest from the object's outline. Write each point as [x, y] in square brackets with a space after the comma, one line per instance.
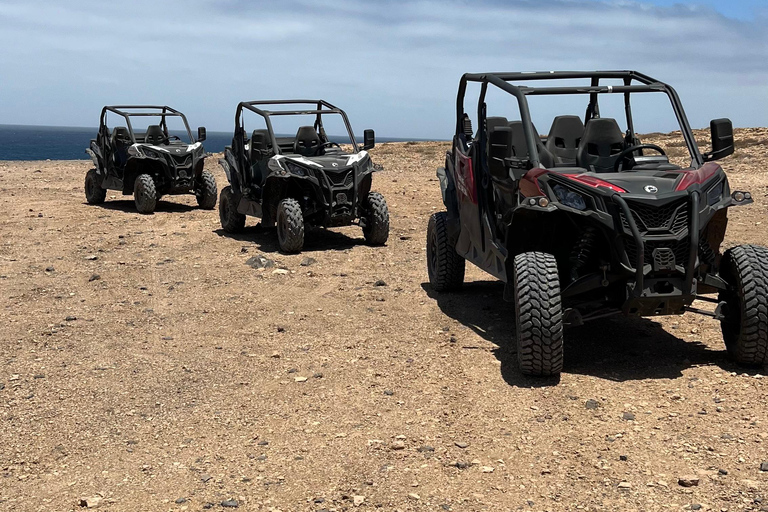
[444, 265]
[290, 226]
[539, 314]
[745, 326]
[231, 220]
[145, 193]
[94, 194]
[205, 191]
[376, 229]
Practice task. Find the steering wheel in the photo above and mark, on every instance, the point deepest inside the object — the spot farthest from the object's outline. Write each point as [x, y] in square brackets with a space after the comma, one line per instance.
[173, 137]
[324, 145]
[618, 165]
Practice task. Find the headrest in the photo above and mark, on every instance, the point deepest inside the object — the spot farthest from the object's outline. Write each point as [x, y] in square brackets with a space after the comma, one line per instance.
[154, 134]
[260, 139]
[566, 131]
[494, 122]
[604, 130]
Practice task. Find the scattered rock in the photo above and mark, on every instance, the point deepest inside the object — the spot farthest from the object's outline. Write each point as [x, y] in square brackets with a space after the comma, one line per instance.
[300, 379]
[623, 457]
[628, 416]
[695, 506]
[259, 261]
[94, 277]
[488, 469]
[414, 496]
[591, 404]
[397, 445]
[39, 376]
[49, 269]
[688, 481]
[263, 443]
[461, 444]
[764, 466]
[280, 328]
[276, 355]
[205, 477]
[317, 375]
[425, 448]
[389, 392]
[358, 500]
[722, 471]
[307, 261]
[91, 257]
[70, 319]
[281, 271]
[379, 283]
[179, 501]
[625, 485]
[230, 504]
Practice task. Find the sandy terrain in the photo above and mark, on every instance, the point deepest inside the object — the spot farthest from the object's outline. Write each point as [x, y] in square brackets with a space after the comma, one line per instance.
[145, 366]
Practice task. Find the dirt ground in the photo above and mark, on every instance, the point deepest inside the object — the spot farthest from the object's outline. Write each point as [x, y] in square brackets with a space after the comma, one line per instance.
[145, 366]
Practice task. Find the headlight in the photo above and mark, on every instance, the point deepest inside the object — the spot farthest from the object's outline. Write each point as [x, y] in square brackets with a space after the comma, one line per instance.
[715, 193]
[295, 168]
[570, 198]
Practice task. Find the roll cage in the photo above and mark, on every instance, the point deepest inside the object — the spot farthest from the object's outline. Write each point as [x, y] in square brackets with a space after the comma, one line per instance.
[321, 107]
[129, 111]
[633, 82]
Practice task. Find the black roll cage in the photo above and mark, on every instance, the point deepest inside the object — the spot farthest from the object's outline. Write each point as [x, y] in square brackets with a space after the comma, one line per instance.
[645, 84]
[162, 111]
[320, 107]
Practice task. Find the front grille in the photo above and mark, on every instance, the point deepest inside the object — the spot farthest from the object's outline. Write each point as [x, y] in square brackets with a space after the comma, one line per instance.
[182, 160]
[679, 248]
[671, 217]
[341, 178]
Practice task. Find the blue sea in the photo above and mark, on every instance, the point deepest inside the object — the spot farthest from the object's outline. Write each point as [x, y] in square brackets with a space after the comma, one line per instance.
[19, 142]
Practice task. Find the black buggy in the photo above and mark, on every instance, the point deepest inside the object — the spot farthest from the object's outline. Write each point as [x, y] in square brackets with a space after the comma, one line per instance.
[150, 164]
[306, 179]
[588, 221]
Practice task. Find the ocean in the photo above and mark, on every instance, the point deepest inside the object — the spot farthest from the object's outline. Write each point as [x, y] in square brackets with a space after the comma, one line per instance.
[19, 142]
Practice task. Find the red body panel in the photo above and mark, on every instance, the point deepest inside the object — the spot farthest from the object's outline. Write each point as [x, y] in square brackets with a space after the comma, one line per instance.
[465, 177]
[697, 176]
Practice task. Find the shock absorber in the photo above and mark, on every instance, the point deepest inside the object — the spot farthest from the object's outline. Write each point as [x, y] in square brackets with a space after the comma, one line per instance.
[581, 251]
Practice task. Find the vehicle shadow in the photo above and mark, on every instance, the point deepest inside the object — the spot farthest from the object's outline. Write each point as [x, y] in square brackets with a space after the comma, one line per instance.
[617, 348]
[315, 239]
[129, 206]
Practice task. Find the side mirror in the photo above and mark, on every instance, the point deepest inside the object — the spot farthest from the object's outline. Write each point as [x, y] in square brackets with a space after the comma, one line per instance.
[201, 134]
[499, 149]
[722, 139]
[369, 140]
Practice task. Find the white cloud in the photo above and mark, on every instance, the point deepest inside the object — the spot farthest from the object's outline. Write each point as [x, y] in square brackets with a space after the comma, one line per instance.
[394, 65]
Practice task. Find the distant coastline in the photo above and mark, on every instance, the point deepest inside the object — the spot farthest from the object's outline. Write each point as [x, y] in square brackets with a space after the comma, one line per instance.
[27, 142]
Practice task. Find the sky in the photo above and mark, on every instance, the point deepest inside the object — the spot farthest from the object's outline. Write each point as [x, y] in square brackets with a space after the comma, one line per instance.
[393, 65]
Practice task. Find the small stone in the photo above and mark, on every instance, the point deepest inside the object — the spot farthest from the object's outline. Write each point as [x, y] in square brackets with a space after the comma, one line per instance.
[91, 257]
[628, 416]
[260, 261]
[425, 448]
[461, 444]
[695, 506]
[379, 283]
[276, 355]
[263, 443]
[39, 376]
[300, 379]
[49, 269]
[414, 496]
[317, 375]
[358, 500]
[230, 504]
[307, 261]
[722, 471]
[94, 277]
[281, 271]
[487, 469]
[591, 404]
[688, 481]
[623, 457]
[389, 392]
[91, 502]
[292, 370]
[70, 319]
[208, 506]
[625, 485]
[179, 501]
[205, 477]
[764, 466]
[397, 445]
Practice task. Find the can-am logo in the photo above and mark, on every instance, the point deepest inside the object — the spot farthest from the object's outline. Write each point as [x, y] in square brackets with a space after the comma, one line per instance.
[651, 189]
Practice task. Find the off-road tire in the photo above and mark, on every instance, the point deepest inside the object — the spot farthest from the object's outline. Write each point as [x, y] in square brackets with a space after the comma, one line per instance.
[290, 226]
[745, 326]
[444, 265]
[145, 193]
[231, 220]
[539, 314]
[94, 194]
[376, 229]
[205, 191]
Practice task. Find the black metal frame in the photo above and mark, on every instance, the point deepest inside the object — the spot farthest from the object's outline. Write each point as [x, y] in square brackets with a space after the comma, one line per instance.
[647, 84]
[321, 107]
[164, 111]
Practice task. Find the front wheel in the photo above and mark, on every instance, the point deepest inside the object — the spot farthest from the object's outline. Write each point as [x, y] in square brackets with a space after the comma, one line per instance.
[539, 314]
[205, 191]
[444, 265]
[745, 325]
[145, 193]
[290, 226]
[376, 226]
[231, 220]
[94, 194]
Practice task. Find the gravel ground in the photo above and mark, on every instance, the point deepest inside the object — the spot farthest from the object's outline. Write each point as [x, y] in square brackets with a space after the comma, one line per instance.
[144, 365]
